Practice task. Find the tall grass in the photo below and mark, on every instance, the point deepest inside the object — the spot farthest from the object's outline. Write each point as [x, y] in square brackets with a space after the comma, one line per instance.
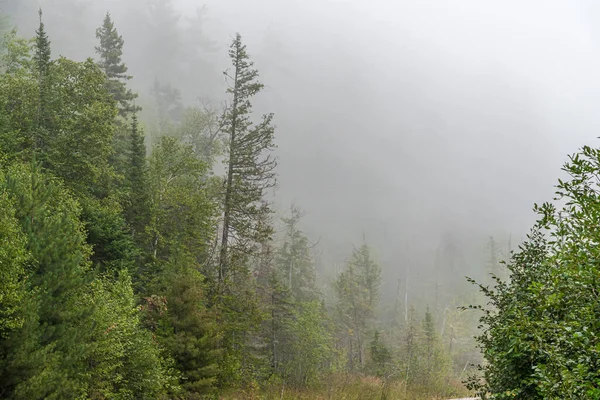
[350, 387]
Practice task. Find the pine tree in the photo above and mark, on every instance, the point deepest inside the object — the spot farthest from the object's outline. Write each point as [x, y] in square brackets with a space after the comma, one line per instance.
[46, 353]
[110, 51]
[250, 166]
[137, 210]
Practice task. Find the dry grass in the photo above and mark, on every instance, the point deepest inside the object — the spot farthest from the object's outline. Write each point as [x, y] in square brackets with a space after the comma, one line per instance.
[346, 387]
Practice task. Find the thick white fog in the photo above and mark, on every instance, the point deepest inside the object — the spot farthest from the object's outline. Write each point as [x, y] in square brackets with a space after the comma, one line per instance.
[404, 120]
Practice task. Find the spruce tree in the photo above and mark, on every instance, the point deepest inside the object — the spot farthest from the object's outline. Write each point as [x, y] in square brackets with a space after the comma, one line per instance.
[250, 166]
[137, 210]
[192, 335]
[43, 51]
[41, 59]
[380, 355]
[110, 51]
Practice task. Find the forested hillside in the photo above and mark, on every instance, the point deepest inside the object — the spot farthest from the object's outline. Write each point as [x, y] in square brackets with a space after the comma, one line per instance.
[136, 271]
[330, 204]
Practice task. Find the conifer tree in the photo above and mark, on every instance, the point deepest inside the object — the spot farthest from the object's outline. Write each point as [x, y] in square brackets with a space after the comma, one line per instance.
[191, 331]
[357, 291]
[41, 59]
[137, 210]
[43, 50]
[295, 259]
[250, 166]
[56, 322]
[380, 355]
[76, 337]
[110, 51]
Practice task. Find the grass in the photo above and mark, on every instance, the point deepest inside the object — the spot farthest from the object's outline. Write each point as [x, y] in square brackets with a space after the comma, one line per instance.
[348, 387]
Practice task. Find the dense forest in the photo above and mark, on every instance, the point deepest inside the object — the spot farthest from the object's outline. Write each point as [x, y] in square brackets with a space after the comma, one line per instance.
[147, 251]
[142, 256]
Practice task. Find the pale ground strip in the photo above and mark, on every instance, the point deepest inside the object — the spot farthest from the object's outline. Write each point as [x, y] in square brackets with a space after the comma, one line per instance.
[466, 398]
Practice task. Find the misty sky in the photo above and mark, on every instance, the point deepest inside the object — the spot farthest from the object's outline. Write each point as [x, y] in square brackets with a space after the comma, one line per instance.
[410, 119]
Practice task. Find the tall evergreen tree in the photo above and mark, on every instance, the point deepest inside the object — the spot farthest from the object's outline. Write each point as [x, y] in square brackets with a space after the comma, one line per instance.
[110, 51]
[43, 50]
[41, 59]
[137, 210]
[250, 166]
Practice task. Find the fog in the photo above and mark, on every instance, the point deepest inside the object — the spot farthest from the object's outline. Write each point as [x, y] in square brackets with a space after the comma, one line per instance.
[401, 120]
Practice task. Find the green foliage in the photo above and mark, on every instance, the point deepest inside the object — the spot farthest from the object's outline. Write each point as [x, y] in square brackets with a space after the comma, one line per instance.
[202, 129]
[137, 210]
[295, 261]
[54, 328]
[181, 208]
[43, 51]
[424, 365]
[357, 291]
[246, 227]
[110, 51]
[186, 328]
[125, 362]
[13, 257]
[311, 347]
[539, 337]
[72, 332]
[72, 131]
[380, 355]
[108, 234]
[250, 167]
[124, 276]
[5, 29]
[81, 125]
[17, 55]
